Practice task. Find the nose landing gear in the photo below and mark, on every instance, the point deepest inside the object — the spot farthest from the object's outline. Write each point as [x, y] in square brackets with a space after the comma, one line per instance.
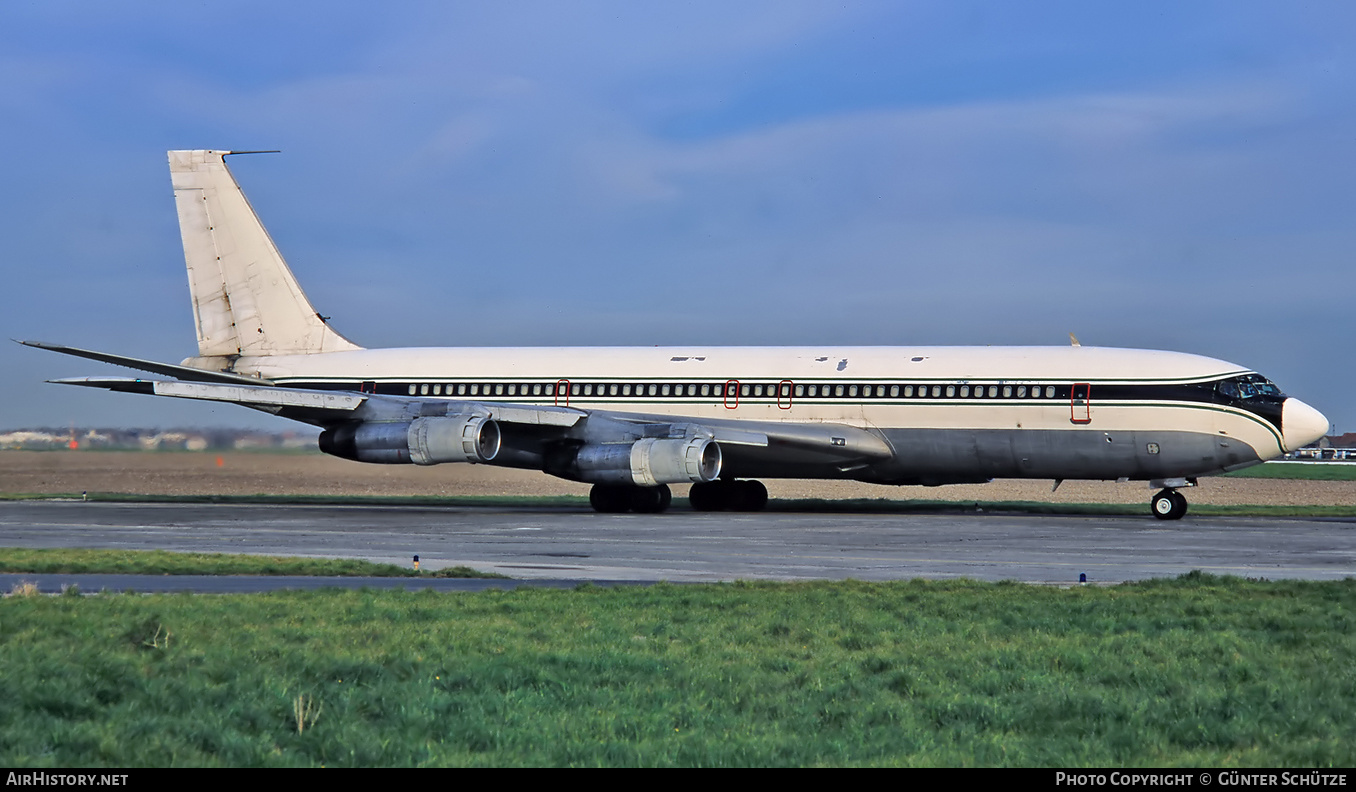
[1168, 504]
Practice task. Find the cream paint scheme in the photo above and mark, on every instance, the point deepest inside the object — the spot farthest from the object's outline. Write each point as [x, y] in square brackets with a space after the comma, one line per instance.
[1166, 417]
[942, 365]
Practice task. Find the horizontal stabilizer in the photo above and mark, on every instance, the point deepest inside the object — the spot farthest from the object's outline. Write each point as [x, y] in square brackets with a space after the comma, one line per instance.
[178, 372]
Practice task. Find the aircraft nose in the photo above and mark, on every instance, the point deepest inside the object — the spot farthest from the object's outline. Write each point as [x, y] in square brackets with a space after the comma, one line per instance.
[1301, 424]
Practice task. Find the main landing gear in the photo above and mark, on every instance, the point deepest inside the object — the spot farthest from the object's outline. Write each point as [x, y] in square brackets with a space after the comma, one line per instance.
[744, 496]
[1168, 504]
[620, 498]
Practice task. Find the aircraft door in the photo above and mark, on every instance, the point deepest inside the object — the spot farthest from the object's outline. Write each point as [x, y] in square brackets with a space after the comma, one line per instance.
[1080, 403]
[732, 395]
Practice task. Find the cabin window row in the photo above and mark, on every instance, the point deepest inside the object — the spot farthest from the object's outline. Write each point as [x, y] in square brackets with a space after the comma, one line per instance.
[731, 388]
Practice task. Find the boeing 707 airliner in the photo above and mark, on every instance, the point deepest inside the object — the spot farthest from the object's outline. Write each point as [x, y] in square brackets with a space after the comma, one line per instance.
[631, 421]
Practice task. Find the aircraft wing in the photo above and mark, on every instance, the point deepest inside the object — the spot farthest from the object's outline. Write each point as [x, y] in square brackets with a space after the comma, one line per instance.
[529, 430]
[326, 408]
[529, 425]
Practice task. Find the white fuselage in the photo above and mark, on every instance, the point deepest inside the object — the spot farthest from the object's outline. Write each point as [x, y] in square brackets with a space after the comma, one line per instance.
[1042, 411]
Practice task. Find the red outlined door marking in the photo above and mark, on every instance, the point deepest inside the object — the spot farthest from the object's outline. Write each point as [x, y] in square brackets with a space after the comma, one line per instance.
[1080, 403]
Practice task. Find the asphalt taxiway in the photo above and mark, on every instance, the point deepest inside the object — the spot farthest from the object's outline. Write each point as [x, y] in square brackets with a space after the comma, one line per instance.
[564, 546]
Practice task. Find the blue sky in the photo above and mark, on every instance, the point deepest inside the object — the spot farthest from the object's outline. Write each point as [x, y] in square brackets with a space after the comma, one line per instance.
[1162, 175]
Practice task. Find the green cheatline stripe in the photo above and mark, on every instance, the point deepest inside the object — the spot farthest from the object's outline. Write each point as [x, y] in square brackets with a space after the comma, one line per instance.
[431, 379]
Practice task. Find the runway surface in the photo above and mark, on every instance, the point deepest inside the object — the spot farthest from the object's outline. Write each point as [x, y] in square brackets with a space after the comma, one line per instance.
[563, 547]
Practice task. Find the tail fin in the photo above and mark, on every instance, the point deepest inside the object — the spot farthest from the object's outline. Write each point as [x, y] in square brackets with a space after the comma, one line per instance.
[246, 302]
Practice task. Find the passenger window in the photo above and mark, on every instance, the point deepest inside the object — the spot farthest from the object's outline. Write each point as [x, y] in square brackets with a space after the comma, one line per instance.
[965, 391]
[498, 390]
[1007, 391]
[423, 390]
[513, 390]
[1049, 391]
[626, 389]
[706, 390]
[664, 391]
[574, 390]
[838, 390]
[413, 390]
[654, 389]
[908, 391]
[800, 390]
[894, 390]
[950, 391]
[744, 390]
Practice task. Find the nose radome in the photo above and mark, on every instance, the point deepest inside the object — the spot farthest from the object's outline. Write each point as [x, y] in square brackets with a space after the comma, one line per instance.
[1301, 424]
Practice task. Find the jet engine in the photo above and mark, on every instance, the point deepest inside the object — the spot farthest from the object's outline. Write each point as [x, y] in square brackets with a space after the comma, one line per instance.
[423, 441]
[648, 462]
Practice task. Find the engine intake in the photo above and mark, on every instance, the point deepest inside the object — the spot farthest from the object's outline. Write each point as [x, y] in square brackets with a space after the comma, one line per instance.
[423, 441]
[648, 462]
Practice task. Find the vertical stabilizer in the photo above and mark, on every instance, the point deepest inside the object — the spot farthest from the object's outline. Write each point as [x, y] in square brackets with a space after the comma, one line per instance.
[246, 302]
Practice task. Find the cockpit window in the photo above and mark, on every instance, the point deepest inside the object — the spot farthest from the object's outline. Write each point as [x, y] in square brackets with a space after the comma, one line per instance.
[1248, 386]
[1262, 386]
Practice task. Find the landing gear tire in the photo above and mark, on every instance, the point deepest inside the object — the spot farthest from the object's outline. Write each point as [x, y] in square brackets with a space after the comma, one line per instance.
[741, 496]
[651, 500]
[748, 496]
[1168, 504]
[705, 497]
[619, 499]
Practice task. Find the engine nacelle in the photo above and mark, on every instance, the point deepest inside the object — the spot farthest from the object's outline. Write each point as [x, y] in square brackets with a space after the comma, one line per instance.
[423, 441]
[649, 461]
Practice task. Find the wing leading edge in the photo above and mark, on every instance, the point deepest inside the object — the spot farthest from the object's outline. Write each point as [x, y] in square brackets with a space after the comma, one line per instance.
[569, 442]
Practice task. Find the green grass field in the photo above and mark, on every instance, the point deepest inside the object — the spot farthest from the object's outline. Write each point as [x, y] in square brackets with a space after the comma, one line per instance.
[1189, 672]
[160, 562]
[1292, 470]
